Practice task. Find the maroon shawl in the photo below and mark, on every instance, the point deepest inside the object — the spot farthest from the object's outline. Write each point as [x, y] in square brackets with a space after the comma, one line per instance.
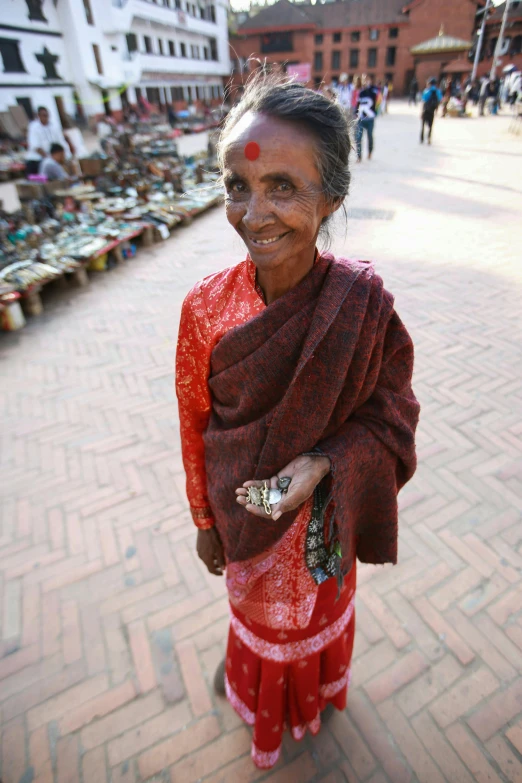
[328, 365]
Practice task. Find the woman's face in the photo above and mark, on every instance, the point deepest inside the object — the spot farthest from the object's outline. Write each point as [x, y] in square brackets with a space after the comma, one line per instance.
[276, 202]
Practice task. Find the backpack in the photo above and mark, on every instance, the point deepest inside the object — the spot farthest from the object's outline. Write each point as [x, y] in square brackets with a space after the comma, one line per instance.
[432, 104]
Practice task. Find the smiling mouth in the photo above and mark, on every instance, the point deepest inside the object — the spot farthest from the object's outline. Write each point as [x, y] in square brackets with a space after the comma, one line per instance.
[270, 241]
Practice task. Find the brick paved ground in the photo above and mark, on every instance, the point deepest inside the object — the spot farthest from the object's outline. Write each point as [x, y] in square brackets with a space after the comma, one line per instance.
[111, 630]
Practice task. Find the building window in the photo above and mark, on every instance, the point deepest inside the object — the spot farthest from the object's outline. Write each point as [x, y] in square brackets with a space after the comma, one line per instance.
[336, 61]
[97, 57]
[277, 42]
[148, 44]
[213, 49]
[388, 77]
[160, 46]
[27, 106]
[337, 37]
[183, 49]
[516, 47]
[132, 42]
[393, 32]
[374, 34]
[11, 56]
[318, 39]
[372, 58]
[354, 58]
[88, 12]
[35, 11]
[178, 4]
[390, 55]
[189, 93]
[371, 77]
[355, 36]
[318, 61]
[172, 50]
[213, 16]
[205, 52]
[177, 93]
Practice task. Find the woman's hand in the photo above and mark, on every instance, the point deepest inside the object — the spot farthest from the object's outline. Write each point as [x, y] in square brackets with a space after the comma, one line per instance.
[210, 550]
[305, 472]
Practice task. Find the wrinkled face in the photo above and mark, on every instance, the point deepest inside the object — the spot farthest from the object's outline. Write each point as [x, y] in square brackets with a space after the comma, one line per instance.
[275, 202]
[43, 116]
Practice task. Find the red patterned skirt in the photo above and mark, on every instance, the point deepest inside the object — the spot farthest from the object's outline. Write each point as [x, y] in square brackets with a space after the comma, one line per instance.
[278, 679]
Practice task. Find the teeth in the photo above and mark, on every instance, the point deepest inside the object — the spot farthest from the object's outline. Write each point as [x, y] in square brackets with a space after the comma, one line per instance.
[266, 241]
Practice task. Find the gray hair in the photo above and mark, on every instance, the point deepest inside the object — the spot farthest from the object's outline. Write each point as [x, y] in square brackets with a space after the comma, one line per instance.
[325, 119]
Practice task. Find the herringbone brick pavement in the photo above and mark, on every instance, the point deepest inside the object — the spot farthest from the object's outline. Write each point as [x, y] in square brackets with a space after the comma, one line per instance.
[110, 627]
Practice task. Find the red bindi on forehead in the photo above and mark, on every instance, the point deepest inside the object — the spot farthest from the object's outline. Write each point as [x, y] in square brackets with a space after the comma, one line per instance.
[252, 150]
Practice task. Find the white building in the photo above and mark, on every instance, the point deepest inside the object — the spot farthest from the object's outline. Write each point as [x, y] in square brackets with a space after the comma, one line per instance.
[36, 69]
[91, 56]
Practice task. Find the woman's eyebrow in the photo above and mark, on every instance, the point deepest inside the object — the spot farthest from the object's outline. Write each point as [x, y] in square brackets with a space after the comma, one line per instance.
[231, 176]
[276, 175]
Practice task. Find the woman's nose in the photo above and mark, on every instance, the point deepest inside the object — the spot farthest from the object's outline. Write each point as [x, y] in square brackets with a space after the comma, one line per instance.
[258, 213]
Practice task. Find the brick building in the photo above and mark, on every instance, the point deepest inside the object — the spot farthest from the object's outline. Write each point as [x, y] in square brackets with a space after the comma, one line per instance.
[349, 36]
[443, 55]
[512, 49]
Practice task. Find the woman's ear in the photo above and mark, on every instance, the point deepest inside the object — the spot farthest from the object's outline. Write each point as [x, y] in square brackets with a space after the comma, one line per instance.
[333, 206]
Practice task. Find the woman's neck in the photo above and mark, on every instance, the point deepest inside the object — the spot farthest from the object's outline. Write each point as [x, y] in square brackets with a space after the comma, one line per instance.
[277, 282]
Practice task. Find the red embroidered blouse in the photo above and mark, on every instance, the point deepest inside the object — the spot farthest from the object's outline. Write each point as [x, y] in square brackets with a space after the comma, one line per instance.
[216, 304]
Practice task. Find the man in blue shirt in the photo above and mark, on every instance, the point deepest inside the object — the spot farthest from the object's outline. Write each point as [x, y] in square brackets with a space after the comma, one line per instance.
[431, 98]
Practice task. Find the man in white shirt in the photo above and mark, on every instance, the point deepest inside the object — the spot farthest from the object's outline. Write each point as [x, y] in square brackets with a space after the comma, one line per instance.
[40, 135]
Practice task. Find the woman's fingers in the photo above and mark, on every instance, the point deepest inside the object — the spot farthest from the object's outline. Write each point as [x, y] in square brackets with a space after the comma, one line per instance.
[210, 550]
[258, 511]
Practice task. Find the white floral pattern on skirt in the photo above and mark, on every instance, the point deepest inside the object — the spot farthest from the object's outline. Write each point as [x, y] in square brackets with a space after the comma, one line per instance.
[292, 651]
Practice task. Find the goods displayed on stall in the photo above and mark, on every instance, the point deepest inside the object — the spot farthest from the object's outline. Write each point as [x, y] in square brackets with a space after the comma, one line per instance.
[143, 190]
[12, 160]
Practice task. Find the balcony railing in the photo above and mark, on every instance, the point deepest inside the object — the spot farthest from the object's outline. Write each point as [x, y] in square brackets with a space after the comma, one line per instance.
[170, 5]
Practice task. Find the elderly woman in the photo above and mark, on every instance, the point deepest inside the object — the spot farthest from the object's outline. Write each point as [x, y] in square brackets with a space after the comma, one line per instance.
[297, 416]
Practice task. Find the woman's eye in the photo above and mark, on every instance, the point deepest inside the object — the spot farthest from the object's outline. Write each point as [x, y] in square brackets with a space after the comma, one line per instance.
[236, 187]
[283, 187]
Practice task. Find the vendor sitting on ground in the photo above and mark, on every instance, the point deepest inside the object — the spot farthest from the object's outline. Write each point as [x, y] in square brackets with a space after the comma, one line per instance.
[52, 166]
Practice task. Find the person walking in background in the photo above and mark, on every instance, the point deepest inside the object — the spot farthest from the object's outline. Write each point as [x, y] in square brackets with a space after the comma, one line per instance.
[357, 86]
[483, 95]
[41, 133]
[385, 96]
[344, 94]
[446, 97]
[431, 98]
[414, 89]
[367, 107]
[171, 115]
[494, 94]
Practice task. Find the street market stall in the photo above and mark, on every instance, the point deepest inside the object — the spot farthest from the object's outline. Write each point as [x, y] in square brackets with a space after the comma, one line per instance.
[130, 198]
